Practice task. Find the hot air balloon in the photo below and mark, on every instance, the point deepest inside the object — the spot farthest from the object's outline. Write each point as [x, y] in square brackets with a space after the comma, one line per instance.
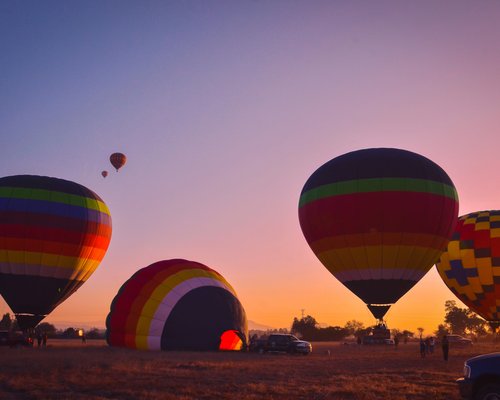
[53, 235]
[378, 219]
[471, 265]
[104, 174]
[177, 305]
[117, 160]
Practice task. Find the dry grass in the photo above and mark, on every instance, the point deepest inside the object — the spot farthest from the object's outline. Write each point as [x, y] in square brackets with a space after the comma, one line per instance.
[70, 370]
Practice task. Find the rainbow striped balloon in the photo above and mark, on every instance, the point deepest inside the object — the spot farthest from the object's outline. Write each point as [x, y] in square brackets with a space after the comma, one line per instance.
[176, 305]
[53, 235]
[378, 219]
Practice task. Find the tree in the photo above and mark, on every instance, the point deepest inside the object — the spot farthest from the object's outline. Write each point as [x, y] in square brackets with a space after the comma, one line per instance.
[354, 327]
[5, 322]
[47, 328]
[441, 330]
[304, 327]
[462, 320]
[420, 331]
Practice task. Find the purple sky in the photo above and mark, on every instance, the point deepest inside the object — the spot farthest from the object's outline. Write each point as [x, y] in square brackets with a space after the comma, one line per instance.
[225, 108]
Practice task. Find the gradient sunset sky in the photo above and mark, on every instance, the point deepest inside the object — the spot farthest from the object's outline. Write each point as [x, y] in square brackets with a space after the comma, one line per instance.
[225, 108]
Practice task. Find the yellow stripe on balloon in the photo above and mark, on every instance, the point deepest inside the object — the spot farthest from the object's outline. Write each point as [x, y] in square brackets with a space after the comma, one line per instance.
[46, 259]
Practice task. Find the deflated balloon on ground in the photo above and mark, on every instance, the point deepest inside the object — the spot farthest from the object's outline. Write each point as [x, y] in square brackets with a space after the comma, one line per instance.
[177, 305]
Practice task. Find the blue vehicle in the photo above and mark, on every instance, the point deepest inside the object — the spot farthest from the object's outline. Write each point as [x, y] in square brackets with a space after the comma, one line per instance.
[481, 379]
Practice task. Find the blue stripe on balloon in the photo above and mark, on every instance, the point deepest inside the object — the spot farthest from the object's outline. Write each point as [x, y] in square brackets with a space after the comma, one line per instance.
[53, 208]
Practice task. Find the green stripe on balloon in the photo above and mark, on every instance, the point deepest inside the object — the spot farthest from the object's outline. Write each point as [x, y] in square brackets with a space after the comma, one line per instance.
[49, 195]
[378, 185]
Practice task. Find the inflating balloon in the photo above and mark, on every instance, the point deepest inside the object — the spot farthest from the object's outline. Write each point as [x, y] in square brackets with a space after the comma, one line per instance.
[378, 219]
[177, 305]
[471, 265]
[53, 235]
[117, 160]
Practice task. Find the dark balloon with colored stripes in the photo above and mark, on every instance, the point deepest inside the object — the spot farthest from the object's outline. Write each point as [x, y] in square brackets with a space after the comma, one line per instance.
[470, 266]
[53, 235]
[378, 219]
[177, 305]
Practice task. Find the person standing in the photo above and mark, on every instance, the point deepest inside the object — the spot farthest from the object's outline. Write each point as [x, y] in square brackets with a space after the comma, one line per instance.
[446, 347]
[422, 348]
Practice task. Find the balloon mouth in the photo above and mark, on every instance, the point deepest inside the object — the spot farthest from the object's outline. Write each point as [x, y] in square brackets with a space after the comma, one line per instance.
[28, 321]
[379, 310]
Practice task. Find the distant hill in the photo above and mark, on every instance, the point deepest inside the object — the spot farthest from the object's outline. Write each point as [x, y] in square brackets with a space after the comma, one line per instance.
[255, 326]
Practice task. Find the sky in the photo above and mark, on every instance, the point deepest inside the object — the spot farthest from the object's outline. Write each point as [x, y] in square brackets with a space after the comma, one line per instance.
[224, 109]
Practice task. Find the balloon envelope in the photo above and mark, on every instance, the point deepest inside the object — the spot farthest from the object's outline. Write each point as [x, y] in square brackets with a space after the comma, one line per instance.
[378, 219]
[471, 265]
[176, 305]
[104, 174]
[53, 235]
[117, 160]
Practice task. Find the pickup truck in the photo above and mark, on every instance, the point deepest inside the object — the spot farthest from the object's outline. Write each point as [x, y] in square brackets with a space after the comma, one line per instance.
[481, 380]
[283, 343]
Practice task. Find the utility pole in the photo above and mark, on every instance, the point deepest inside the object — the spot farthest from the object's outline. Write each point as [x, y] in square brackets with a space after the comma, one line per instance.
[302, 311]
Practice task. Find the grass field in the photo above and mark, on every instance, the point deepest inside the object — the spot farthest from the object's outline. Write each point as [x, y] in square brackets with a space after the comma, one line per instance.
[71, 370]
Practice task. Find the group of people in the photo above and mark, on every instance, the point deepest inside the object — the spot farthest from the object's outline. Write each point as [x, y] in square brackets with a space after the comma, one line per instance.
[427, 346]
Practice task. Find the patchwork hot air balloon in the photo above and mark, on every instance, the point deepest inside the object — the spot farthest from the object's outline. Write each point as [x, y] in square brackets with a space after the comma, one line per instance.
[117, 160]
[471, 265]
[378, 219]
[53, 235]
[177, 305]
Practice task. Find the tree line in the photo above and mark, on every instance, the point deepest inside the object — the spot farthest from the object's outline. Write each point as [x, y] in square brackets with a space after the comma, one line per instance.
[461, 321]
[8, 323]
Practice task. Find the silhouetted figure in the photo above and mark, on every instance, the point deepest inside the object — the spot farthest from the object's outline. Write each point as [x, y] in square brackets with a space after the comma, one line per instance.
[446, 347]
[432, 342]
[44, 339]
[396, 341]
[422, 348]
[84, 339]
[39, 339]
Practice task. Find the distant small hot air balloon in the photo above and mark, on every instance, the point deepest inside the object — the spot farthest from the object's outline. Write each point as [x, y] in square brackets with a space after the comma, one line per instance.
[471, 265]
[53, 235]
[378, 219]
[104, 174]
[118, 160]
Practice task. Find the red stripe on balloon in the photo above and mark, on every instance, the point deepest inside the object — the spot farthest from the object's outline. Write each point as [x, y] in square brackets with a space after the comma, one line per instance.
[37, 233]
[378, 212]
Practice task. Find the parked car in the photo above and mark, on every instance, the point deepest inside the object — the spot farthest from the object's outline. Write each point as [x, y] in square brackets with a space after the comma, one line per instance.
[481, 380]
[283, 343]
[457, 340]
[15, 339]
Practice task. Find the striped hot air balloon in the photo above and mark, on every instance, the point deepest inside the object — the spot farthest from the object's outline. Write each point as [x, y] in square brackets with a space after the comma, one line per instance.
[378, 219]
[53, 235]
[177, 305]
[471, 265]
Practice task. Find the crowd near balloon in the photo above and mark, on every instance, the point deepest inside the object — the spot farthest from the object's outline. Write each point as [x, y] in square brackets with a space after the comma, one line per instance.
[378, 219]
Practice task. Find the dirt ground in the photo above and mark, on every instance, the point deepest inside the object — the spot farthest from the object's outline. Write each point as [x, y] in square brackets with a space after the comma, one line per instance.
[68, 369]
